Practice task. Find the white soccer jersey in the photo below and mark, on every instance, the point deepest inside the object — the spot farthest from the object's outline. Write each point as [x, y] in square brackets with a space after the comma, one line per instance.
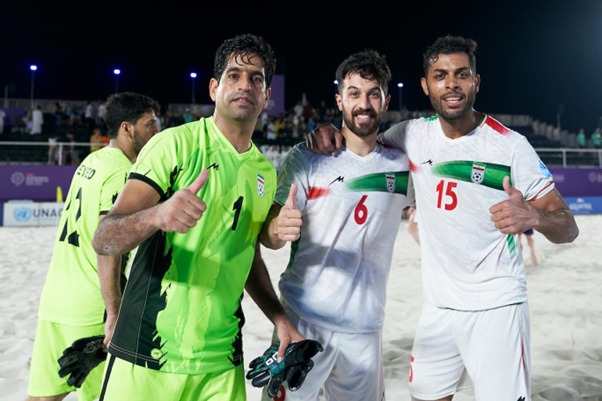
[338, 268]
[467, 264]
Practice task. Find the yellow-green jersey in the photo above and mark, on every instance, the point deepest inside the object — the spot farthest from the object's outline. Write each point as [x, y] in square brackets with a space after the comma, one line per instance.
[181, 310]
[71, 293]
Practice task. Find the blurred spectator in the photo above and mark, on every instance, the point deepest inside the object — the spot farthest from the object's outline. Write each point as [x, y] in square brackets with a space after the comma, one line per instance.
[89, 115]
[271, 129]
[72, 154]
[96, 139]
[100, 112]
[2, 117]
[298, 109]
[187, 116]
[53, 156]
[59, 114]
[596, 140]
[581, 139]
[105, 139]
[37, 120]
[528, 234]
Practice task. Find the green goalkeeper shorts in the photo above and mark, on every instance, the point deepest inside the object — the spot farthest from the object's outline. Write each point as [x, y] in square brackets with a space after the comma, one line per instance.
[127, 381]
[50, 342]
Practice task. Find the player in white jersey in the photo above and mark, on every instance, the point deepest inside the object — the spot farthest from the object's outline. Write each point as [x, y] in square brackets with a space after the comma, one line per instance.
[343, 215]
[478, 185]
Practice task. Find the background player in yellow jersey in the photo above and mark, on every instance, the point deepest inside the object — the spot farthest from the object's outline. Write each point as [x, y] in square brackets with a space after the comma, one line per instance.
[71, 304]
[195, 201]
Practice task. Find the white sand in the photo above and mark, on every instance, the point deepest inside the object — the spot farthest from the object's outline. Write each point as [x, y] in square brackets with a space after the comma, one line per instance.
[565, 292]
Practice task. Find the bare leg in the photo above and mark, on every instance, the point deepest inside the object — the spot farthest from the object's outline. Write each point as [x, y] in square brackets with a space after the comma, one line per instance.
[531, 243]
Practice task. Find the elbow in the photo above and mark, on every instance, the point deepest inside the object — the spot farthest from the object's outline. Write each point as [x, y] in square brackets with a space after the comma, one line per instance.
[574, 234]
[568, 237]
[98, 246]
[103, 247]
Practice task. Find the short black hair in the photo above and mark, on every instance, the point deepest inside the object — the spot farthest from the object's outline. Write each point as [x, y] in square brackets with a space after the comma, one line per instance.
[126, 106]
[369, 64]
[450, 44]
[245, 45]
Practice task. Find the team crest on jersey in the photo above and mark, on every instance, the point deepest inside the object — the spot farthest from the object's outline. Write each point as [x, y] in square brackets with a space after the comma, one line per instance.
[478, 173]
[390, 182]
[260, 185]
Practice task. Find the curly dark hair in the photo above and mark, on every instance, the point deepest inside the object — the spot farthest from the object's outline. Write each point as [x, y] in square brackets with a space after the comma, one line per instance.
[450, 44]
[244, 46]
[369, 64]
[126, 106]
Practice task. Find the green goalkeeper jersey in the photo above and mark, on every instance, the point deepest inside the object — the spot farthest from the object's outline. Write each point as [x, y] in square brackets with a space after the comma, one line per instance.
[181, 310]
[71, 293]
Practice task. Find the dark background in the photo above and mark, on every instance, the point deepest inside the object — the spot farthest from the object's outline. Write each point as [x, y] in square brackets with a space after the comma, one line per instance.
[539, 58]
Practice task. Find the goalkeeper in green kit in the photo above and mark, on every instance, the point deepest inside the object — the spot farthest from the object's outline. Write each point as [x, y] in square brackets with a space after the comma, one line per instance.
[194, 204]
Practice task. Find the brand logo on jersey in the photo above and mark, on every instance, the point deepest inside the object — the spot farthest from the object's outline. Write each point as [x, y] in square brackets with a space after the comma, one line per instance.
[213, 166]
[260, 185]
[156, 353]
[390, 182]
[429, 162]
[478, 173]
[339, 179]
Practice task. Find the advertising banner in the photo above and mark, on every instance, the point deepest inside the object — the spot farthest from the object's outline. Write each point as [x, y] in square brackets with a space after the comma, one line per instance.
[23, 213]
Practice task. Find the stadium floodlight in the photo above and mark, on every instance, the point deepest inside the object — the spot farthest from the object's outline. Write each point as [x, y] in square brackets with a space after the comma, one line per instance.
[116, 72]
[33, 68]
[193, 75]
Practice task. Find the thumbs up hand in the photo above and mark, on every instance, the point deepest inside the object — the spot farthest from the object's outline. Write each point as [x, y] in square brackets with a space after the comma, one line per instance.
[289, 220]
[513, 215]
[181, 212]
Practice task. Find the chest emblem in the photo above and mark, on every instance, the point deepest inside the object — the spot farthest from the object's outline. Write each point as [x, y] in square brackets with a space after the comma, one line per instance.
[478, 173]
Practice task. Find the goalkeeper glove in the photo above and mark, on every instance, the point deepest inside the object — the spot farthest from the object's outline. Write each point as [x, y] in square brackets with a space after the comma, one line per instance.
[80, 358]
[266, 370]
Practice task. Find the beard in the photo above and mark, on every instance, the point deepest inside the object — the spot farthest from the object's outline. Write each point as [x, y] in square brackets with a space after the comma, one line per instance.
[364, 129]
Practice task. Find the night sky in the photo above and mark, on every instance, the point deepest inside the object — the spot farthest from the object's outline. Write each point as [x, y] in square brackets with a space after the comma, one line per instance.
[535, 57]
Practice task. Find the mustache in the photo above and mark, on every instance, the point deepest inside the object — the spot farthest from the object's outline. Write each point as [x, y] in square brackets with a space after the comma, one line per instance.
[369, 112]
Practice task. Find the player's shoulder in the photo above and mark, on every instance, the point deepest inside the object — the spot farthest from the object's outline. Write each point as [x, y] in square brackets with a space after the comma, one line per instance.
[497, 130]
[495, 126]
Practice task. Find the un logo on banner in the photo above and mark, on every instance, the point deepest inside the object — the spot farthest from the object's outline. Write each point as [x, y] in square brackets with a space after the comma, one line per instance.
[22, 214]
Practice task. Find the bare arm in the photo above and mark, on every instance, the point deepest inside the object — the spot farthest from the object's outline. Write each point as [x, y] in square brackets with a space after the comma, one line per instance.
[259, 287]
[109, 275]
[136, 215]
[549, 215]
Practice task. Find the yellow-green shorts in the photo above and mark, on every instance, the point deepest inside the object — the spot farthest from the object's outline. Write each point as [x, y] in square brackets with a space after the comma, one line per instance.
[50, 342]
[127, 381]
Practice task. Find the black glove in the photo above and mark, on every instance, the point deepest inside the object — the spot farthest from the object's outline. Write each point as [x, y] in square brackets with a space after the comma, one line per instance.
[80, 358]
[266, 370]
